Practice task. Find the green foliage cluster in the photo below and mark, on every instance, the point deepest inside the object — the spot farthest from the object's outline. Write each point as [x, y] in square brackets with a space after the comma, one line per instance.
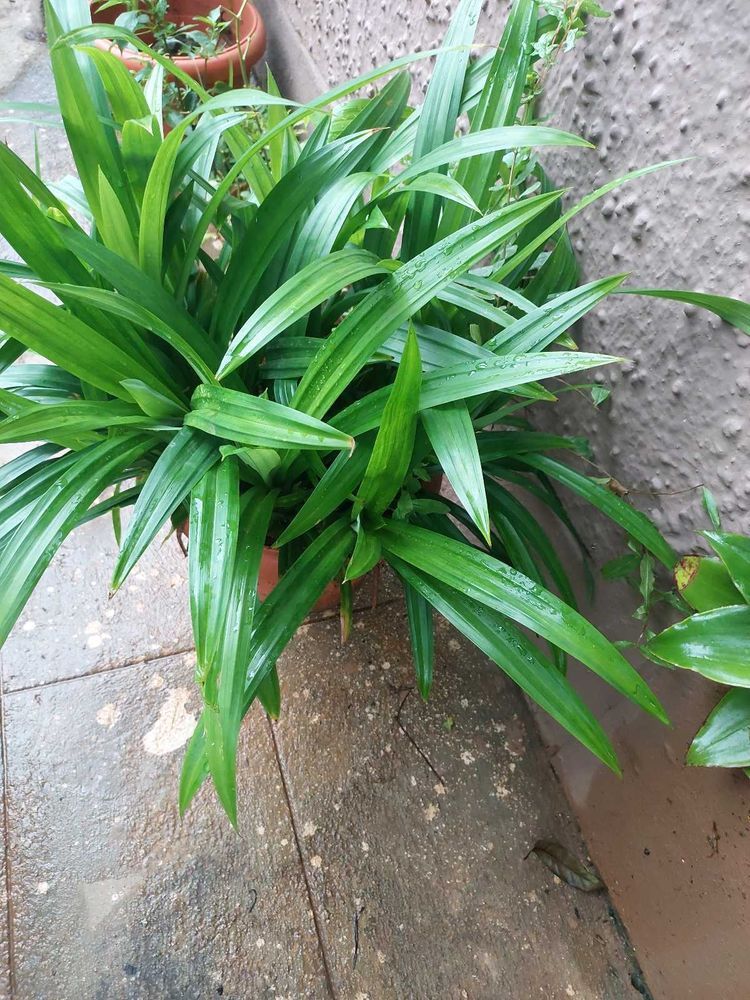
[386, 299]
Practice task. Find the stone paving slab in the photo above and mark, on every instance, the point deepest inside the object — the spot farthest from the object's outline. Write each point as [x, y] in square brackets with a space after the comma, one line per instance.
[416, 853]
[4, 944]
[71, 626]
[113, 896]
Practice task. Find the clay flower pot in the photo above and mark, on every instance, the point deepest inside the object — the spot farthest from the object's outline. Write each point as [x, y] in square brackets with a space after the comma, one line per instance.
[268, 575]
[224, 67]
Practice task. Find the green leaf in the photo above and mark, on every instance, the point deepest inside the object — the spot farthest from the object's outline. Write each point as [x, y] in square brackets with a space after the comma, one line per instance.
[26, 226]
[734, 552]
[437, 121]
[485, 579]
[705, 583]
[732, 311]
[494, 445]
[196, 350]
[84, 109]
[542, 327]
[396, 299]
[246, 419]
[23, 465]
[366, 554]
[181, 465]
[155, 202]
[18, 500]
[125, 96]
[724, 738]
[56, 334]
[489, 141]
[293, 598]
[114, 229]
[152, 403]
[453, 439]
[273, 224]
[296, 298]
[474, 378]
[269, 694]
[393, 446]
[499, 104]
[30, 549]
[421, 636]
[222, 723]
[713, 643]
[528, 249]
[194, 767]
[443, 186]
[516, 656]
[710, 507]
[529, 528]
[616, 509]
[214, 518]
[340, 480]
[57, 422]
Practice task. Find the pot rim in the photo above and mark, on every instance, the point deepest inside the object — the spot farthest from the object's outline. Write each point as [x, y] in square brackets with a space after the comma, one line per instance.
[254, 26]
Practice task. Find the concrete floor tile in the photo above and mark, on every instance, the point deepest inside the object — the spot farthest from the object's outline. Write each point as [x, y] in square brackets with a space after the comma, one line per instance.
[115, 897]
[419, 875]
[71, 626]
[4, 928]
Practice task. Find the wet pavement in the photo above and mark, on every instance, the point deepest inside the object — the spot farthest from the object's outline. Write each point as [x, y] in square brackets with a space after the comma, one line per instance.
[381, 845]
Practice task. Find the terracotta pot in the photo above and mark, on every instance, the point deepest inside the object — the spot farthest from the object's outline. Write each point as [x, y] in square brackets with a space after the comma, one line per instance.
[224, 67]
[268, 576]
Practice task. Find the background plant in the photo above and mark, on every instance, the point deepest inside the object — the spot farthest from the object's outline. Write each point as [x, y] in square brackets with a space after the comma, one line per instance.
[382, 308]
[715, 642]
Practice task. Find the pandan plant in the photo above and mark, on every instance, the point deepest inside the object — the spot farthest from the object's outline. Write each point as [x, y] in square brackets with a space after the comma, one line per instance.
[715, 642]
[386, 299]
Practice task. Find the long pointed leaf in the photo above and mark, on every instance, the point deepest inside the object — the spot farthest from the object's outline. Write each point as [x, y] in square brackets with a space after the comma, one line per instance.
[181, 465]
[492, 583]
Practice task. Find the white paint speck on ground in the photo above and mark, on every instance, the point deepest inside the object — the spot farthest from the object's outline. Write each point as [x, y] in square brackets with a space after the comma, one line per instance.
[28, 626]
[42, 888]
[430, 812]
[309, 829]
[108, 715]
[316, 861]
[174, 727]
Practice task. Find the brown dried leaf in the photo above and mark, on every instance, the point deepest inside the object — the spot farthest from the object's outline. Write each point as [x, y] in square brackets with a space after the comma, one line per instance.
[566, 866]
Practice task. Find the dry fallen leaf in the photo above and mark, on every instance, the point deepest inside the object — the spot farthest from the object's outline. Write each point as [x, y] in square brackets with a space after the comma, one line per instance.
[566, 866]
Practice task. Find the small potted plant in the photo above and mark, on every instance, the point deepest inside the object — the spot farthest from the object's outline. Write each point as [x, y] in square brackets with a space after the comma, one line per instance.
[381, 305]
[211, 43]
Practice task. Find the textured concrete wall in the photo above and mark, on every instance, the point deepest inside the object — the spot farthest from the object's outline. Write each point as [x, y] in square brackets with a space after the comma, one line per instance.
[663, 80]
